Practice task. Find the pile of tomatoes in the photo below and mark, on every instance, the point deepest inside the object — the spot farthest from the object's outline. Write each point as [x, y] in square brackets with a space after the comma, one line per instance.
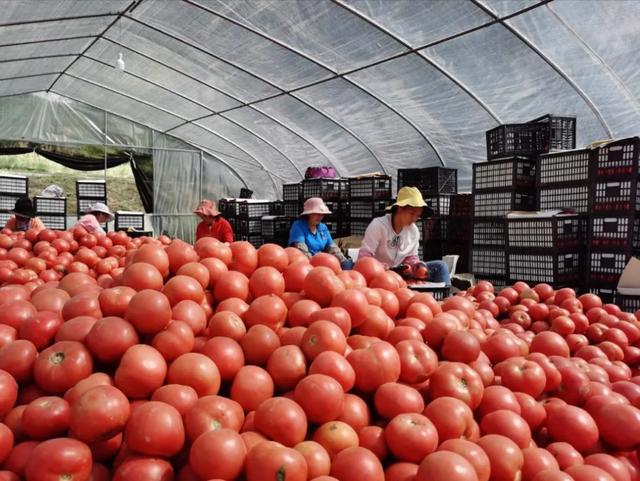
[151, 359]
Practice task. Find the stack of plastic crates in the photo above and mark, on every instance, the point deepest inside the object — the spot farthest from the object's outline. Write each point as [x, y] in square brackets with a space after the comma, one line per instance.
[459, 230]
[88, 192]
[292, 199]
[334, 193]
[614, 206]
[12, 187]
[249, 219]
[544, 249]
[132, 222]
[275, 229]
[52, 211]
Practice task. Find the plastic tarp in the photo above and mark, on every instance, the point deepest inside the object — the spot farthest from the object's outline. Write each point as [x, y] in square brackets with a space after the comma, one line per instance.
[261, 89]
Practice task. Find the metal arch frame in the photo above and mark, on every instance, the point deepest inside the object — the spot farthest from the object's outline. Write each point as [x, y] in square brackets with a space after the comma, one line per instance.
[632, 98]
[321, 64]
[2, 79]
[22, 93]
[200, 104]
[226, 94]
[38, 57]
[271, 84]
[550, 63]
[59, 19]
[47, 40]
[173, 114]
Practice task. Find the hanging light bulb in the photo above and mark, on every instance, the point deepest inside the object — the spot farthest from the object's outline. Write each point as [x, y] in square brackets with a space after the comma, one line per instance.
[120, 65]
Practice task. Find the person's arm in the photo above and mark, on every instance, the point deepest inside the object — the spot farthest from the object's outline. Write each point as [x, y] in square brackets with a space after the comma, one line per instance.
[227, 232]
[412, 260]
[331, 246]
[37, 225]
[90, 223]
[296, 239]
[371, 240]
[200, 232]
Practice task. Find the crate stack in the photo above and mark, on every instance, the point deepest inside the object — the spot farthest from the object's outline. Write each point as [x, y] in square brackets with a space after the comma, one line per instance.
[88, 192]
[438, 186]
[614, 207]
[292, 199]
[459, 229]
[12, 187]
[52, 211]
[369, 198]
[544, 249]
[335, 193]
[499, 186]
[249, 218]
[275, 229]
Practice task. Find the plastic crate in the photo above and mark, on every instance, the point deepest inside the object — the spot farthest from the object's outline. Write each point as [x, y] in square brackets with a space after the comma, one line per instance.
[126, 219]
[326, 189]
[15, 185]
[292, 192]
[430, 180]
[7, 202]
[500, 203]
[561, 168]
[462, 251]
[615, 196]
[438, 205]
[378, 187]
[435, 228]
[50, 205]
[458, 229]
[368, 209]
[570, 196]
[627, 303]
[258, 209]
[358, 226]
[344, 210]
[535, 266]
[562, 131]
[54, 222]
[461, 205]
[605, 267]
[291, 209]
[557, 232]
[84, 205]
[432, 250]
[249, 226]
[489, 232]
[276, 226]
[438, 293]
[254, 239]
[91, 189]
[607, 294]
[618, 159]
[491, 261]
[617, 232]
[515, 173]
[4, 217]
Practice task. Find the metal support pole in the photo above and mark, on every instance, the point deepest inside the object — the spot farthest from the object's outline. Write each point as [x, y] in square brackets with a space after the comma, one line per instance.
[105, 147]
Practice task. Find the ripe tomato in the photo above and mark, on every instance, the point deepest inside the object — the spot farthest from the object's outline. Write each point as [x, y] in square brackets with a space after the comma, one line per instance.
[149, 311]
[287, 366]
[411, 437]
[452, 418]
[154, 429]
[322, 336]
[269, 460]
[110, 337]
[61, 366]
[619, 425]
[322, 285]
[282, 420]
[504, 455]
[227, 324]
[537, 460]
[258, 344]
[269, 310]
[521, 375]
[321, 397]
[183, 398]
[213, 412]
[417, 361]
[392, 399]
[446, 466]
[460, 346]
[508, 424]
[273, 255]
[142, 275]
[336, 366]
[176, 339]
[46, 417]
[317, 458]
[354, 302]
[99, 414]
[375, 365]
[141, 371]
[457, 380]
[251, 386]
[141, 467]
[218, 454]
[195, 370]
[565, 454]
[472, 453]
[59, 458]
[357, 464]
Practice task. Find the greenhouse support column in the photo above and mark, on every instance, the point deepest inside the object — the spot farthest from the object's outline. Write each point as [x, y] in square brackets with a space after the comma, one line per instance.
[105, 147]
[201, 172]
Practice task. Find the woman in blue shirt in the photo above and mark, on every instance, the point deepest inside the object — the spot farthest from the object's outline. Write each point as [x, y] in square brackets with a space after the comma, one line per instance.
[311, 236]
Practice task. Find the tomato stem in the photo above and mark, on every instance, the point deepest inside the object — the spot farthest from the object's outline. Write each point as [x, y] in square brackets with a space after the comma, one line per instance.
[57, 358]
[281, 474]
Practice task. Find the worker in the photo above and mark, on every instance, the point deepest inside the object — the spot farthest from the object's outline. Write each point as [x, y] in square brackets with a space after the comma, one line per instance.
[97, 215]
[394, 238]
[311, 235]
[213, 224]
[23, 217]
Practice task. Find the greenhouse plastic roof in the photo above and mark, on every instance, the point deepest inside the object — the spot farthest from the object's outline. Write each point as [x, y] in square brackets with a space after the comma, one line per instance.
[363, 85]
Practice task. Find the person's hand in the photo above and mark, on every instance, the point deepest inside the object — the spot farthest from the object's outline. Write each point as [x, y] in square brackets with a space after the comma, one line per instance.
[346, 265]
[420, 271]
[402, 269]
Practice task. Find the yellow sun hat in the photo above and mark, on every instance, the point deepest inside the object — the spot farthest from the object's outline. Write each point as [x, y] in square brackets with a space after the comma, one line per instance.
[409, 196]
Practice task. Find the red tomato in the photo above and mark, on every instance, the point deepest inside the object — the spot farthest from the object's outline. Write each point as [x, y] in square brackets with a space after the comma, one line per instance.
[417, 361]
[232, 284]
[8, 393]
[537, 460]
[218, 454]
[337, 315]
[322, 336]
[195, 370]
[46, 417]
[472, 453]
[59, 458]
[619, 425]
[282, 420]
[505, 456]
[183, 398]
[321, 397]
[317, 458]
[226, 354]
[452, 418]
[322, 285]
[213, 412]
[61, 366]
[521, 375]
[149, 311]
[251, 386]
[273, 255]
[457, 380]
[141, 275]
[508, 424]
[176, 339]
[460, 346]
[295, 274]
[269, 460]
[110, 337]
[142, 370]
[446, 466]
[588, 473]
[354, 302]
[336, 366]
[375, 365]
[114, 301]
[258, 344]
[140, 467]
[269, 310]
[411, 437]
[6, 443]
[614, 466]
[300, 312]
[565, 454]
[155, 429]
[392, 399]
[372, 438]
[99, 414]
[287, 366]
[357, 464]
[245, 257]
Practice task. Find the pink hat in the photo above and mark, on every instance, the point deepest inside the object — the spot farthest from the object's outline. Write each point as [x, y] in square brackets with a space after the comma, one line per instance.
[315, 205]
[207, 207]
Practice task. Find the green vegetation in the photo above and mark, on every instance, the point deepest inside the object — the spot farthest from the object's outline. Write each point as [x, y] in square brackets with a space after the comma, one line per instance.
[122, 193]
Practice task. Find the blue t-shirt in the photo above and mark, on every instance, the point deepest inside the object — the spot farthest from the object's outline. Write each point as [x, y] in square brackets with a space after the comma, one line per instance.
[317, 242]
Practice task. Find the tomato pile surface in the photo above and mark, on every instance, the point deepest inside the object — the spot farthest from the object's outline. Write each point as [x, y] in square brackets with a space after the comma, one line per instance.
[151, 359]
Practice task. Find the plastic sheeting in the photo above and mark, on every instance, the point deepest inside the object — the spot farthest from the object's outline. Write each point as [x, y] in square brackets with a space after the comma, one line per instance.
[266, 88]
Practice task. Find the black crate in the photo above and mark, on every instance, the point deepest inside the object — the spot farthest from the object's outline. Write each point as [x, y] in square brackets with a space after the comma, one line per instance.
[91, 189]
[358, 226]
[378, 187]
[514, 173]
[615, 196]
[333, 226]
[557, 232]
[344, 210]
[435, 228]
[489, 231]
[561, 131]
[292, 192]
[7, 202]
[461, 205]
[326, 189]
[614, 232]
[291, 209]
[430, 180]
[223, 205]
[258, 209]
[459, 229]
[607, 294]
[604, 267]
[562, 168]
[432, 250]
[462, 251]
[618, 159]
[500, 203]
[438, 293]
[233, 222]
[14, 185]
[368, 209]
[125, 220]
[437, 205]
[83, 205]
[536, 266]
[490, 261]
[249, 226]
[50, 205]
[54, 222]
[4, 217]
[627, 303]
[254, 239]
[276, 226]
[569, 196]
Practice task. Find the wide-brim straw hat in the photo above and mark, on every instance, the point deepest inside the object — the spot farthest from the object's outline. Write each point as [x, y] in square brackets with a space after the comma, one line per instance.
[102, 208]
[315, 205]
[408, 196]
[207, 207]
